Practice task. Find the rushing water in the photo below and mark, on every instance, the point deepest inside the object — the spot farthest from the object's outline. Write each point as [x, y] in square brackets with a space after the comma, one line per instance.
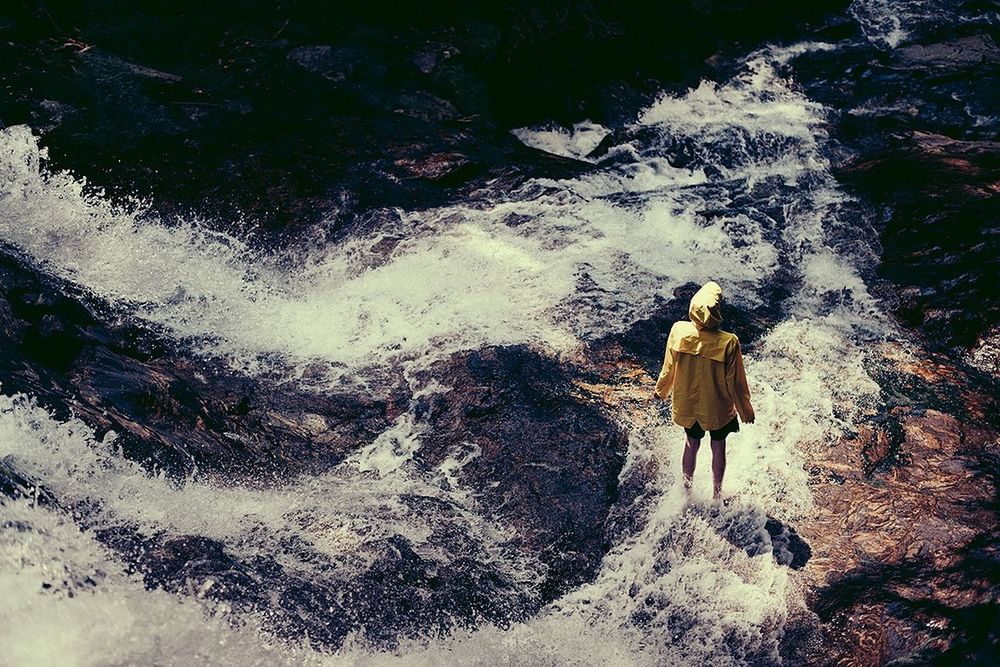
[553, 264]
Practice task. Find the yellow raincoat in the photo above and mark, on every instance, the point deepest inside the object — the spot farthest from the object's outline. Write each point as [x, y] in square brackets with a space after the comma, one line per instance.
[703, 366]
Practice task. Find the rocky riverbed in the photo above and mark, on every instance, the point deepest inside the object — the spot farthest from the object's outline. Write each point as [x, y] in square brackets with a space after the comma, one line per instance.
[345, 348]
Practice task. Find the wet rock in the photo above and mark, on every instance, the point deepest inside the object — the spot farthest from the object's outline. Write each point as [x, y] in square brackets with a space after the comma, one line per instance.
[749, 529]
[426, 107]
[433, 167]
[932, 182]
[169, 412]
[15, 485]
[786, 544]
[881, 446]
[545, 462]
[404, 595]
[399, 594]
[333, 64]
[898, 550]
[961, 53]
[49, 114]
[427, 59]
[265, 113]
[644, 341]
[918, 128]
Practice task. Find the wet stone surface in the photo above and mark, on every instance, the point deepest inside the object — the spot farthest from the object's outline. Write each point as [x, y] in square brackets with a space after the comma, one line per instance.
[544, 461]
[170, 412]
[919, 133]
[289, 115]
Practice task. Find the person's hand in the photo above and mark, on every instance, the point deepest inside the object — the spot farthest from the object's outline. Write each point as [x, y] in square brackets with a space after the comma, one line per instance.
[751, 416]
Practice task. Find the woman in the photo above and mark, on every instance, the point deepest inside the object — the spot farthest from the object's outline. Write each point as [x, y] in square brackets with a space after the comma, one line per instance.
[703, 367]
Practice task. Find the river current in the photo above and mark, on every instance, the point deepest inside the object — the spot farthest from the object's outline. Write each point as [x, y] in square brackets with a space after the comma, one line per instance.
[754, 206]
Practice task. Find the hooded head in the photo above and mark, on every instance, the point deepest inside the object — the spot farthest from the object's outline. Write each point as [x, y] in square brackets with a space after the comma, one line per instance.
[706, 306]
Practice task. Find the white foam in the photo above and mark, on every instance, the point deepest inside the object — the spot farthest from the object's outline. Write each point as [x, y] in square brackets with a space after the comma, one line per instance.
[577, 142]
[65, 601]
[337, 514]
[391, 449]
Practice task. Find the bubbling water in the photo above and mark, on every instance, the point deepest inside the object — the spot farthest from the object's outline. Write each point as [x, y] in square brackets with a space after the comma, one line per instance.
[554, 264]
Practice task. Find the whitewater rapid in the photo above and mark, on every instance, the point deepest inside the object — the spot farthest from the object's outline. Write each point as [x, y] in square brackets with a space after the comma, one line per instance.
[554, 264]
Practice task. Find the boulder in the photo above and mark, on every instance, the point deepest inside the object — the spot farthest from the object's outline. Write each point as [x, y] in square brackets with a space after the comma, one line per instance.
[545, 461]
[170, 412]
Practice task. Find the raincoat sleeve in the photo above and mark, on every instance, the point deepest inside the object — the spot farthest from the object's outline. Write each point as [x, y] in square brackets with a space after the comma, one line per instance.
[666, 380]
[736, 382]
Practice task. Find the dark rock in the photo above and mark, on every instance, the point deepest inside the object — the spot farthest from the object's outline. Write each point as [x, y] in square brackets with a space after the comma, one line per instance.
[49, 114]
[645, 340]
[404, 595]
[547, 463]
[786, 545]
[169, 412]
[433, 167]
[918, 129]
[426, 107]
[427, 59]
[268, 113]
[961, 53]
[399, 595]
[758, 534]
[17, 486]
[335, 65]
[932, 182]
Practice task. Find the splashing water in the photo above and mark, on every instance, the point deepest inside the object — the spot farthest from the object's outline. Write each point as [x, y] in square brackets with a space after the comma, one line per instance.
[554, 264]
[888, 24]
[880, 21]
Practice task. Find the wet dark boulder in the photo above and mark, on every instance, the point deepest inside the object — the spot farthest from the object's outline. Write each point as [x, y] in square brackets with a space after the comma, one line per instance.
[169, 411]
[903, 535]
[941, 241]
[333, 64]
[398, 594]
[957, 54]
[17, 486]
[537, 455]
[916, 129]
[406, 595]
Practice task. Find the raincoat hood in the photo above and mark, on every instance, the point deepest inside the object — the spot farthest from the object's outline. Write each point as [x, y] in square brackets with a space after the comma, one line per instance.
[706, 306]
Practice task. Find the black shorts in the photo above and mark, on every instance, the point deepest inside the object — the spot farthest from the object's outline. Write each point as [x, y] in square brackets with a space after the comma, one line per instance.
[697, 432]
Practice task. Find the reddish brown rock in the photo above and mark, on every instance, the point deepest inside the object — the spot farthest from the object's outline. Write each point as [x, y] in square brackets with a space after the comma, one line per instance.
[899, 551]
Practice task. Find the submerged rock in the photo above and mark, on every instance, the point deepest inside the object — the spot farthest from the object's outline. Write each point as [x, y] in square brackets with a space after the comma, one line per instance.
[398, 594]
[544, 460]
[16, 486]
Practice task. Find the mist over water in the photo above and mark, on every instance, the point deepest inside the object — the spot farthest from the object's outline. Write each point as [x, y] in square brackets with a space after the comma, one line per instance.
[555, 264]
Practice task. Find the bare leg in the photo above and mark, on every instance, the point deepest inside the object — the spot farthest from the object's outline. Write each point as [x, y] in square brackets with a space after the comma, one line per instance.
[688, 461]
[718, 466]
